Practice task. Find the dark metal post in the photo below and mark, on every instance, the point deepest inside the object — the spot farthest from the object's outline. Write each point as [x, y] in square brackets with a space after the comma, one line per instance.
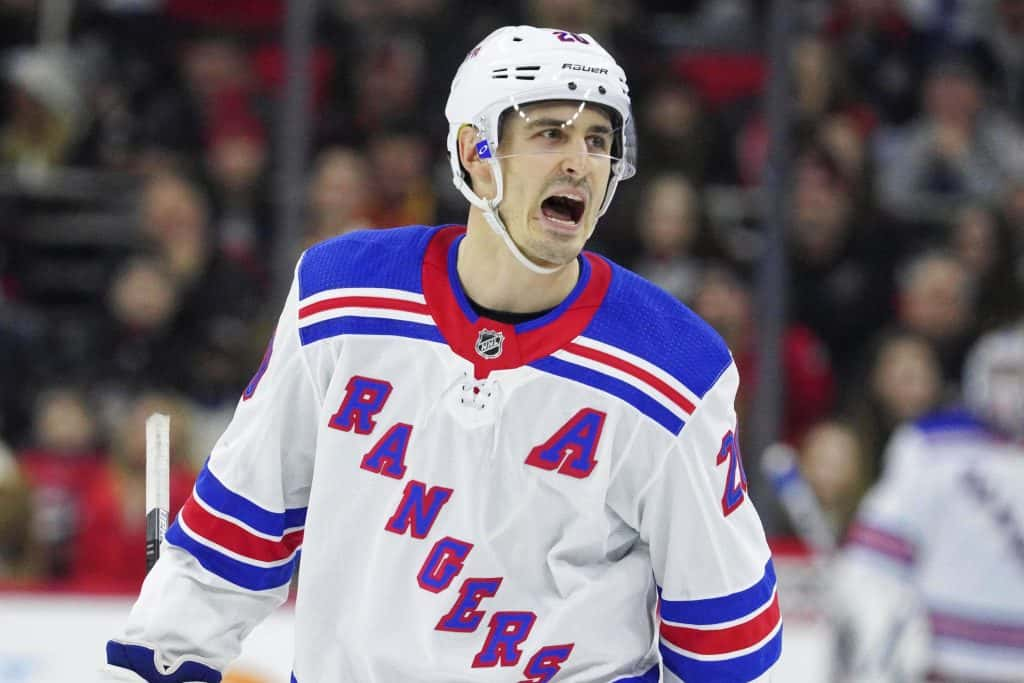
[292, 136]
[772, 276]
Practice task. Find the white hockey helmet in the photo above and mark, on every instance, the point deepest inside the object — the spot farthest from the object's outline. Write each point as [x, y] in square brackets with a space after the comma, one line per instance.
[993, 382]
[518, 65]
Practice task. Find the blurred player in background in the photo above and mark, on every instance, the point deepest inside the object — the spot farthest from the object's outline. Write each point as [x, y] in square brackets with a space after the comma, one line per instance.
[504, 458]
[931, 585]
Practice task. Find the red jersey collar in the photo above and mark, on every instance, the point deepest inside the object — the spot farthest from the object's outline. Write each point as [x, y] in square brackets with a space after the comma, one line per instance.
[493, 345]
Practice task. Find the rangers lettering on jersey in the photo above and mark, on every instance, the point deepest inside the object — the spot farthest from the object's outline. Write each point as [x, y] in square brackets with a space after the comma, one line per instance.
[497, 498]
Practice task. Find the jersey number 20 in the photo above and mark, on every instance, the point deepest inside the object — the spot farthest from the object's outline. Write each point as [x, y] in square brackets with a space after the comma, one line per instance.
[736, 478]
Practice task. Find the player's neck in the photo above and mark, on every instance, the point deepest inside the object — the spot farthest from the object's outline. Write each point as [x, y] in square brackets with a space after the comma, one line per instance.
[493, 278]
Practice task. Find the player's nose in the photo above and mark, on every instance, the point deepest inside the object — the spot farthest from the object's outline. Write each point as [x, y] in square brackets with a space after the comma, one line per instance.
[576, 161]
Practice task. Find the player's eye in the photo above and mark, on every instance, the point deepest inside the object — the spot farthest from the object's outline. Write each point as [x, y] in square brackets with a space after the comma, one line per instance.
[552, 134]
[600, 142]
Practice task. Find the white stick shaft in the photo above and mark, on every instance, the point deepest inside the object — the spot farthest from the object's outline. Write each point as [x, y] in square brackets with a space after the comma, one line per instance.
[158, 475]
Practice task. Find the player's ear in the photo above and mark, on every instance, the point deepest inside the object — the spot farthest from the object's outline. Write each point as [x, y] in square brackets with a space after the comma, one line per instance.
[479, 170]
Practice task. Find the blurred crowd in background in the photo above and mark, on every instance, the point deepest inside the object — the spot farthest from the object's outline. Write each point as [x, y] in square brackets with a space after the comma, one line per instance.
[137, 216]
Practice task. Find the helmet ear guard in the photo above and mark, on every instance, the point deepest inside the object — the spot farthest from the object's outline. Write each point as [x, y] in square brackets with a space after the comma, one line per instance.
[520, 65]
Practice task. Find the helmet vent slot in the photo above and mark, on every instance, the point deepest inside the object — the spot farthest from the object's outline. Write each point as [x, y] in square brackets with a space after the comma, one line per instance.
[526, 73]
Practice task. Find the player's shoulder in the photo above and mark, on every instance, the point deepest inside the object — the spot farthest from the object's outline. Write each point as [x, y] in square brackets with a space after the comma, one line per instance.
[384, 258]
[640, 320]
[945, 436]
[951, 423]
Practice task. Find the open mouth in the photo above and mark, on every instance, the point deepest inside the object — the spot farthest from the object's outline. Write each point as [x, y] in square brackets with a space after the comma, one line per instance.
[563, 209]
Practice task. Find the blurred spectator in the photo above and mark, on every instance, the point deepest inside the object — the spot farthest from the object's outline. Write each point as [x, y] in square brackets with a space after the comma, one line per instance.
[670, 224]
[834, 464]
[109, 552]
[821, 92]
[219, 293]
[19, 551]
[388, 80]
[959, 149]
[676, 132]
[936, 299]
[339, 194]
[882, 52]
[844, 142]
[724, 300]
[901, 380]
[236, 164]
[175, 117]
[1005, 42]
[45, 115]
[1012, 214]
[138, 341]
[839, 268]
[175, 218]
[401, 180]
[982, 244]
[60, 462]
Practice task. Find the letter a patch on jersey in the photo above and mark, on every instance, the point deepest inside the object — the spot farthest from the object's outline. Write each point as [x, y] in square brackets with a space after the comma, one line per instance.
[571, 450]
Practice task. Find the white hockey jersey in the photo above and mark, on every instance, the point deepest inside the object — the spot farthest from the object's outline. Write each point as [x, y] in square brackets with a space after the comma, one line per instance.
[559, 500]
[944, 525]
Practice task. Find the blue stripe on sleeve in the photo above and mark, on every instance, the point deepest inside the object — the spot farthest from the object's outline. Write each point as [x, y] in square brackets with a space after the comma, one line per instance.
[227, 502]
[375, 326]
[616, 387]
[740, 669]
[232, 570]
[294, 517]
[140, 660]
[710, 611]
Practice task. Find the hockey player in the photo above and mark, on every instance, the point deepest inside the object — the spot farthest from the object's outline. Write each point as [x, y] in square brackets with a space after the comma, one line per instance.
[504, 458]
[932, 579]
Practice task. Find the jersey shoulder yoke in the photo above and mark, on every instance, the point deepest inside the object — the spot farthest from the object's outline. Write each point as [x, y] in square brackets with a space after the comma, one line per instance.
[386, 258]
[646, 322]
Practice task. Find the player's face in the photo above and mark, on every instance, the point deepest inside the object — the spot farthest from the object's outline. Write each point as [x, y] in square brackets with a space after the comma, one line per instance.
[555, 167]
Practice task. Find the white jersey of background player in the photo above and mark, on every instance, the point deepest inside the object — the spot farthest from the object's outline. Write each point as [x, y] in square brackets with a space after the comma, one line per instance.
[938, 546]
[560, 499]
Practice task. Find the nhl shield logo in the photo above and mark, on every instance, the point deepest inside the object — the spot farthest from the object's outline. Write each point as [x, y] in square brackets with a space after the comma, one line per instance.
[489, 344]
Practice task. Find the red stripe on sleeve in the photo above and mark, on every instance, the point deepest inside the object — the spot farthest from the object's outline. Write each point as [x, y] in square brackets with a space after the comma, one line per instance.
[235, 538]
[724, 640]
[629, 368]
[882, 542]
[363, 302]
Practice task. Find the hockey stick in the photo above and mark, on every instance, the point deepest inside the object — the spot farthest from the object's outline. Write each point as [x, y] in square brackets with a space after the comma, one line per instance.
[158, 451]
[779, 465]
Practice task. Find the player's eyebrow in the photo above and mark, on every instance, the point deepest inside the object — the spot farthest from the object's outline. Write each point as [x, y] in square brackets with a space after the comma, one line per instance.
[551, 122]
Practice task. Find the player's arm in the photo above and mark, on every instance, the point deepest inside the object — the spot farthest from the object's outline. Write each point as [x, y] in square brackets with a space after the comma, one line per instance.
[874, 602]
[228, 558]
[718, 611]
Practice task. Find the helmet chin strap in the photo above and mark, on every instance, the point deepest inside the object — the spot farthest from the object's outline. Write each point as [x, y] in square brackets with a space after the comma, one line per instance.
[489, 208]
[498, 226]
